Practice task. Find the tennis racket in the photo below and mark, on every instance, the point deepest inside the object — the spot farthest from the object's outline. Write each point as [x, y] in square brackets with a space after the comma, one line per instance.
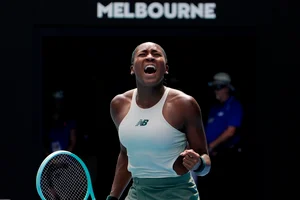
[64, 176]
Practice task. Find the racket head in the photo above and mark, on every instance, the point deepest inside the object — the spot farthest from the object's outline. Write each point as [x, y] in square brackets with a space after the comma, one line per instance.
[50, 158]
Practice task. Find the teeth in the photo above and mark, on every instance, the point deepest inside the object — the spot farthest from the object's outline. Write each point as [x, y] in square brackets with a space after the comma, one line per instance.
[150, 66]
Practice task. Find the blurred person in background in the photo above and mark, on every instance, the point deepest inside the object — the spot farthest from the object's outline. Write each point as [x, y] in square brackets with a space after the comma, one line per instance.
[60, 133]
[223, 138]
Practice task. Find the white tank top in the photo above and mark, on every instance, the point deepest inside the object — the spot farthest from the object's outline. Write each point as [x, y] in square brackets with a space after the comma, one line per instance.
[152, 143]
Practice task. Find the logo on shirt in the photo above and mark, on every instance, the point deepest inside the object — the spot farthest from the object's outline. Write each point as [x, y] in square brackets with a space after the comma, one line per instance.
[220, 114]
[142, 122]
[210, 120]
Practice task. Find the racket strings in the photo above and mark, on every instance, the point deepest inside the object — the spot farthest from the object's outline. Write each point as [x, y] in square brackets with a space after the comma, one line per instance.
[64, 178]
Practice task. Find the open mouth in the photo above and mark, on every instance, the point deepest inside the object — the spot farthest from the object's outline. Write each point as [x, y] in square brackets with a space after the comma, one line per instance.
[150, 69]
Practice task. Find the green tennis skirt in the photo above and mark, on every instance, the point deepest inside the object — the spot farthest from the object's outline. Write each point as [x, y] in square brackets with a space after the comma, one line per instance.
[175, 188]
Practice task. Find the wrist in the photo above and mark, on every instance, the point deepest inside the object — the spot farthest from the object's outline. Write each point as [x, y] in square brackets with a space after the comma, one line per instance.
[111, 198]
[200, 165]
[204, 168]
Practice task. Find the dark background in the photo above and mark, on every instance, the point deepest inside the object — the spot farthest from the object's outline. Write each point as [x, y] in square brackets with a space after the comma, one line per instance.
[92, 66]
[26, 35]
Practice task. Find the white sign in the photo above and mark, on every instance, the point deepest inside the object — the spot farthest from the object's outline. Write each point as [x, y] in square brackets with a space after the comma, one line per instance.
[156, 10]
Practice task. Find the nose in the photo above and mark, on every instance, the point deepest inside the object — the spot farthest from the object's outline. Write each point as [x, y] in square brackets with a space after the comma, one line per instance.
[150, 57]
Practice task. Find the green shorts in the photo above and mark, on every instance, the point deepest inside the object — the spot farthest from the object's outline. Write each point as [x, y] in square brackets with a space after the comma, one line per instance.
[175, 188]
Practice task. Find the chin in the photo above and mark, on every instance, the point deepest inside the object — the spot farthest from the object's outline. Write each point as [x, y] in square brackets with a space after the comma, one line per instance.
[151, 83]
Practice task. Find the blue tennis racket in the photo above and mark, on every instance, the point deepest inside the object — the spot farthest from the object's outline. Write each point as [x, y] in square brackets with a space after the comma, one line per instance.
[64, 176]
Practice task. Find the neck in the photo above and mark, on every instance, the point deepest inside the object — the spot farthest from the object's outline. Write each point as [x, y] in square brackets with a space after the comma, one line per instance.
[224, 98]
[149, 96]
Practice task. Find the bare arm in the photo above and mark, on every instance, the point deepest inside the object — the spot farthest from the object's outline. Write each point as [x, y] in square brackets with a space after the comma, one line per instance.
[73, 139]
[228, 133]
[234, 120]
[195, 135]
[122, 175]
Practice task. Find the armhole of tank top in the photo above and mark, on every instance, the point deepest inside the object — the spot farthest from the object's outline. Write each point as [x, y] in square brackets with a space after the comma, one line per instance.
[162, 115]
[132, 104]
[165, 96]
[133, 100]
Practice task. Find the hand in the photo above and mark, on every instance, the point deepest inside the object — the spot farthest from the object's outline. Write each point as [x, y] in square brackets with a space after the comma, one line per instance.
[211, 150]
[191, 158]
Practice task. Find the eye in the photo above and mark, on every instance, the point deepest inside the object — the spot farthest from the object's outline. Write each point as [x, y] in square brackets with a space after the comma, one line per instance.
[141, 54]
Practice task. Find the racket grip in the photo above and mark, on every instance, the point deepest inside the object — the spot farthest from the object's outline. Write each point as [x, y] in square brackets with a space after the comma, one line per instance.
[111, 198]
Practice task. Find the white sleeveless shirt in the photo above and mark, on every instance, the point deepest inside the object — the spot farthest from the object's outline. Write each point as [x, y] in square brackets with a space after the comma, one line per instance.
[152, 143]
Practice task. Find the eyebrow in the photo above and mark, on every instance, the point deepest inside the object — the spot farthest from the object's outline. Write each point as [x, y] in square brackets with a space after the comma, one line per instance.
[152, 50]
[135, 51]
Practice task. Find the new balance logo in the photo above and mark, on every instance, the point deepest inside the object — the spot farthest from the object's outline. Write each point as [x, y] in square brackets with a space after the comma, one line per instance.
[142, 122]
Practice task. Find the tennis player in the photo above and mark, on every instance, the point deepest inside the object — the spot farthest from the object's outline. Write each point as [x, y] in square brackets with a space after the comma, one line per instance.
[155, 124]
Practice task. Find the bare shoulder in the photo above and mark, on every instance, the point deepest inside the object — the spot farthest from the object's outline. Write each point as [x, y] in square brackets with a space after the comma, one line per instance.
[180, 97]
[122, 98]
[186, 102]
[119, 105]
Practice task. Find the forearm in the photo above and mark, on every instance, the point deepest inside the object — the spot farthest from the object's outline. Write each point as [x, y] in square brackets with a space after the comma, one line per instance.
[228, 133]
[71, 145]
[70, 148]
[122, 176]
[73, 139]
[222, 138]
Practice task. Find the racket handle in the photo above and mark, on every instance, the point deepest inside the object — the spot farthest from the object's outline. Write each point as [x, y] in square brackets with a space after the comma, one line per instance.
[111, 198]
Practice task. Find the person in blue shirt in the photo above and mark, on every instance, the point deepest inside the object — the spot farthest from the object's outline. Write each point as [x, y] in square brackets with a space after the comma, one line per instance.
[61, 132]
[225, 117]
[223, 137]
[62, 135]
